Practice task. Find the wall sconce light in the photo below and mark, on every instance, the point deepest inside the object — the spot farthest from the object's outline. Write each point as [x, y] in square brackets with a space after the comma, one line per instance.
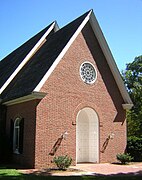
[65, 134]
[111, 136]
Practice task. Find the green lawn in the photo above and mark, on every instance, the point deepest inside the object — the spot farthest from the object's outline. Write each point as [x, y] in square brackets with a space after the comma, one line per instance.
[15, 174]
[9, 172]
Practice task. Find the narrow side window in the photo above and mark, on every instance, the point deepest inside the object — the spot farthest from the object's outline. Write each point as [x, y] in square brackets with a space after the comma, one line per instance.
[18, 136]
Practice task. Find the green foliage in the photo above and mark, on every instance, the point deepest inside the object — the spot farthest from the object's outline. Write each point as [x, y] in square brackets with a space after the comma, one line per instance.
[124, 158]
[9, 172]
[134, 148]
[62, 162]
[133, 124]
[133, 80]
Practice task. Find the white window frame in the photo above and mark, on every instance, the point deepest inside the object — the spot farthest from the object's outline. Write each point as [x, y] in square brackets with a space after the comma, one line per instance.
[93, 68]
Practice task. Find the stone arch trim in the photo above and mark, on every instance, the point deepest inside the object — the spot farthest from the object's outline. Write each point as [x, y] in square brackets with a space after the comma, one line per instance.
[84, 105]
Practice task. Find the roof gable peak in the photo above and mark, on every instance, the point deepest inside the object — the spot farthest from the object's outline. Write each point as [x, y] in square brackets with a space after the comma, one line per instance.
[90, 17]
[84, 19]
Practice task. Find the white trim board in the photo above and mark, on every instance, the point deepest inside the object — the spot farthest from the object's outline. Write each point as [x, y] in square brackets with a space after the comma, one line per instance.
[32, 96]
[127, 106]
[109, 58]
[29, 55]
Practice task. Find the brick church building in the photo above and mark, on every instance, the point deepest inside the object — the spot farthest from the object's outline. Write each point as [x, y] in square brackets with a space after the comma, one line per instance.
[61, 94]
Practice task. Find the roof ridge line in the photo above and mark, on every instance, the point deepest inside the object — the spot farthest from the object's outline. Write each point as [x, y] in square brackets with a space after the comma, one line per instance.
[64, 50]
[28, 56]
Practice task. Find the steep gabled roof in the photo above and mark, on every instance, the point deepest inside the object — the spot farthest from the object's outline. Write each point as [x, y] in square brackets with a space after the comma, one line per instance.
[13, 63]
[90, 17]
[34, 74]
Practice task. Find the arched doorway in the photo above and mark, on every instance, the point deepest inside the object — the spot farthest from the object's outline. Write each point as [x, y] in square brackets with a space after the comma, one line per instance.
[87, 136]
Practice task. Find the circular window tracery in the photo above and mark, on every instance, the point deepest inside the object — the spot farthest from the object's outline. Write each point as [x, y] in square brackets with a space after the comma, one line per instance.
[88, 73]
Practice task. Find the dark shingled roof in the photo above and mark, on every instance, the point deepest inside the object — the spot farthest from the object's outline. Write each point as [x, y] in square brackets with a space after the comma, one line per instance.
[32, 73]
[11, 62]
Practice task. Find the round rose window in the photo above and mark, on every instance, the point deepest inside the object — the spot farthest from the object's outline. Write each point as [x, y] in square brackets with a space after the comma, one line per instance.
[88, 73]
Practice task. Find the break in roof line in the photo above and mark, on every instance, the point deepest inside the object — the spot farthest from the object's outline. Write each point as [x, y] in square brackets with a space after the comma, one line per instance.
[58, 59]
[28, 56]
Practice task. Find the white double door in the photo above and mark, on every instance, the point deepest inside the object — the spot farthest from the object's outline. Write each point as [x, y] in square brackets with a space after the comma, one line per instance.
[87, 136]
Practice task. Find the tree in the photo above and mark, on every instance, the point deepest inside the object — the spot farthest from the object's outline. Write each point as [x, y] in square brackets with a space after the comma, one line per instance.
[133, 80]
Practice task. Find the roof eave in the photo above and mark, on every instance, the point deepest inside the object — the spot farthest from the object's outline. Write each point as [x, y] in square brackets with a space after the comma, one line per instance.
[32, 96]
[127, 106]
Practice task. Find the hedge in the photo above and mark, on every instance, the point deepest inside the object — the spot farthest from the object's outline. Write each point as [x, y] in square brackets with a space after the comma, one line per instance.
[134, 148]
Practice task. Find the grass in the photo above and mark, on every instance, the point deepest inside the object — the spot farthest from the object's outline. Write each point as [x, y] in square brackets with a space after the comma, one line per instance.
[7, 173]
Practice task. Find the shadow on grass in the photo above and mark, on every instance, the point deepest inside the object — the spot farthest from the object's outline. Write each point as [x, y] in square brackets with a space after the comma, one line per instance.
[83, 177]
[129, 176]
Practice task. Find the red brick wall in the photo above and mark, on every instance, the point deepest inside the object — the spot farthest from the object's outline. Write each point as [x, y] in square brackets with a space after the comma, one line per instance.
[27, 111]
[67, 94]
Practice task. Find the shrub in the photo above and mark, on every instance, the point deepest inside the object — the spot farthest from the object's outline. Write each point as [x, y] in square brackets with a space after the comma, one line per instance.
[134, 147]
[124, 158]
[62, 162]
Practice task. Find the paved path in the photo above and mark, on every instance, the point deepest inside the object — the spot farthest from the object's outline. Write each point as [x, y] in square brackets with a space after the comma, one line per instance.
[111, 169]
[92, 169]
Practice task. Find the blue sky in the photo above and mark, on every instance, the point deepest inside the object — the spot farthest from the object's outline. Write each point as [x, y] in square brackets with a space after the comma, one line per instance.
[120, 21]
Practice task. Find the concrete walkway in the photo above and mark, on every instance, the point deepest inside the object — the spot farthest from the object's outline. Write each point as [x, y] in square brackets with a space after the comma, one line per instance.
[111, 169]
[91, 169]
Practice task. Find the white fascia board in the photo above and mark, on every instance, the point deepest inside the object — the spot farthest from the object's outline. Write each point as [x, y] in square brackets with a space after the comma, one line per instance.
[26, 59]
[32, 96]
[109, 57]
[58, 59]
